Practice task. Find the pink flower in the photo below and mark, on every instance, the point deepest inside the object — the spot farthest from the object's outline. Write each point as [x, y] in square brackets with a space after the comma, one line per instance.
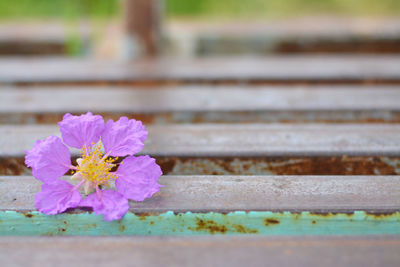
[135, 177]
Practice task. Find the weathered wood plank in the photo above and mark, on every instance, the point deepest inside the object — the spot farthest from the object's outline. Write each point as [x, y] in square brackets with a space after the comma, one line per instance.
[197, 98]
[239, 140]
[215, 251]
[333, 68]
[243, 193]
[188, 104]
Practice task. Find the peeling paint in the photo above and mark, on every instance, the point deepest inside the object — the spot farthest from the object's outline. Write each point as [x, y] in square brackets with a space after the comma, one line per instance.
[170, 223]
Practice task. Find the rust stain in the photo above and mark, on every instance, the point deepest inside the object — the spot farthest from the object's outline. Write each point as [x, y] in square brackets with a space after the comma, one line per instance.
[28, 215]
[49, 234]
[167, 164]
[271, 221]
[314, 222]
[152, 222]
[210, 226]
[244, 230]
[331, 214]
[13, 166]
[380, 215]
[143, 216]
[324, 214]
[122, 228]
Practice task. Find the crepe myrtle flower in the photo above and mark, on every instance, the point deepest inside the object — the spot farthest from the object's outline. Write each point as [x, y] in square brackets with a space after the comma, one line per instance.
[101, 144]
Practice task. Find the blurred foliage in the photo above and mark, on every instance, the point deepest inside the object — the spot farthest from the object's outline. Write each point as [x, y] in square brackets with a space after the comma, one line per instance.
[103, 9]
[62, 9]
[281, 8]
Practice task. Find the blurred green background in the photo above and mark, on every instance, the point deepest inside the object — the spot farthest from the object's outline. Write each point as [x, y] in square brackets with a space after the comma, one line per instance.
[254, 9]
[99, 13]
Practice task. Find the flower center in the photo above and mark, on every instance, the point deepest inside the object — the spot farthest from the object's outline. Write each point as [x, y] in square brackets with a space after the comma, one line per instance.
[94, 167]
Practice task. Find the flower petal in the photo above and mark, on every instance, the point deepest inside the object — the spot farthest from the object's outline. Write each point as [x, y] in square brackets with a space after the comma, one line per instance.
[49, 159]
[80, 131]
[123, 137]
[110, 203]
[57, 197]
[137, 177]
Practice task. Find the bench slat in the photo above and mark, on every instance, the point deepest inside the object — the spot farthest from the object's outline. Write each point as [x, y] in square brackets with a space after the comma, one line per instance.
[214, 251]
[239, 140]
[196, 104]
[243, 193]
[317, 68]
[197, 98]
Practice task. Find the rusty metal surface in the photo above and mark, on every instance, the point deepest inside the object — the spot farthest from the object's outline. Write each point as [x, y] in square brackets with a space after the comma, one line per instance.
[243, 193]
[209, 45]
[301, 165]
[310, 68]
[199, 104]
[340, 165]
[217, 116]
[240, 140]
[361, 45]
[262, 44]
[201, 251]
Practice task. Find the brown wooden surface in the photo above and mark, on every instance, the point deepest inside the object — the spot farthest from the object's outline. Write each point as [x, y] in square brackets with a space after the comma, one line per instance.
[201, 251]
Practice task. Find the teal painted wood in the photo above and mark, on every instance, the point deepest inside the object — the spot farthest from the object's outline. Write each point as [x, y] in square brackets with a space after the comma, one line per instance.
[170, 223]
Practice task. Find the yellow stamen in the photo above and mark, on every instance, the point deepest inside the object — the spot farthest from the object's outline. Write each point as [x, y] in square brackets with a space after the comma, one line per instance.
[93, 168]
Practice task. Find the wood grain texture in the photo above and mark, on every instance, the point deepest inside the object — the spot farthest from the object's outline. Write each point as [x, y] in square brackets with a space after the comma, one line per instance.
[203, 104]
[197, 98]
[317, 68]
[243, 193]
[239, 140]
[201, 251]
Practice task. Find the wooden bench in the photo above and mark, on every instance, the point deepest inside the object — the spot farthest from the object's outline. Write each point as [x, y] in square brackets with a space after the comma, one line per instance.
[300, 191]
